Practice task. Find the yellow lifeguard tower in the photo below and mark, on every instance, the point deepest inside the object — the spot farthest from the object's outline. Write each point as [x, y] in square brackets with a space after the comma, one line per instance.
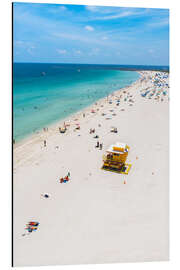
[115, 159]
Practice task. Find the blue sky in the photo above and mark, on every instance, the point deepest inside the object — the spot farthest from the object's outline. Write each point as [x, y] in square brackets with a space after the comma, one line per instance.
[53, 33]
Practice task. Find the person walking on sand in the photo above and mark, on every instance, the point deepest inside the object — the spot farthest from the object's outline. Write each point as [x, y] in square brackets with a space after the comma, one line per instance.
[44, 143]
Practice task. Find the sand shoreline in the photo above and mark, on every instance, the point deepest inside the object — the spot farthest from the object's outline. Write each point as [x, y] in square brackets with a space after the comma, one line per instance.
[95, 217]
[60, 122]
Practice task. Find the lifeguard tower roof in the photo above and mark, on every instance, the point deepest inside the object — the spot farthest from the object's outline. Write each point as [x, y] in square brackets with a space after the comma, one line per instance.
[118, 148]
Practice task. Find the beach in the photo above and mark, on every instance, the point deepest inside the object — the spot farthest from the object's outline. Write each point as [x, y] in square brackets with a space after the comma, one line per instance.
[98, 216]
[63, 90]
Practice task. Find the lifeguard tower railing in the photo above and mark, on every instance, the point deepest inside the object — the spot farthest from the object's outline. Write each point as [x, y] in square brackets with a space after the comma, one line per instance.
[109, 160]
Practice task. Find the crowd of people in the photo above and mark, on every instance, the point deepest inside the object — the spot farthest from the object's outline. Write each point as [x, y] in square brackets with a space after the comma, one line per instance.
[158, 87]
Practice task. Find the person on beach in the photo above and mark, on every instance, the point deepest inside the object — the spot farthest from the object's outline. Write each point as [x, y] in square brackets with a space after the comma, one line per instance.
[68, 174]
[100, 146]
[45, 195]
[61, 180]
[66, 178]
[44, 143]
[83, 114]
[97, 145]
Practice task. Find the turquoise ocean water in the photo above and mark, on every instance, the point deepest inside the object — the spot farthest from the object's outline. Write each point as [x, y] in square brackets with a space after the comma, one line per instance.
[46, 93]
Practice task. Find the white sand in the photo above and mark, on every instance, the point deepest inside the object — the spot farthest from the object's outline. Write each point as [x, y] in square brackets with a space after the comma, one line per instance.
[95, 217]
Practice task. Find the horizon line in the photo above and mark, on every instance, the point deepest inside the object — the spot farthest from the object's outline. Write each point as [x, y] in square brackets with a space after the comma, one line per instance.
[90, 64]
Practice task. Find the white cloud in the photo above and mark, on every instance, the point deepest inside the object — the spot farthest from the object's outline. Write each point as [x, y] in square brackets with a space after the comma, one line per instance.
[89, 28]
[115, 13]
[19, 42]
[77, 36]
[94, 51]
[151, 51]
[56, 10]
[78, 52]
[30, 49]
[160, 23]
[26, 45]
[104, 38]
[104, 9]
[63, 8]
[61, 51]
[116, 16]
[92, 8]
